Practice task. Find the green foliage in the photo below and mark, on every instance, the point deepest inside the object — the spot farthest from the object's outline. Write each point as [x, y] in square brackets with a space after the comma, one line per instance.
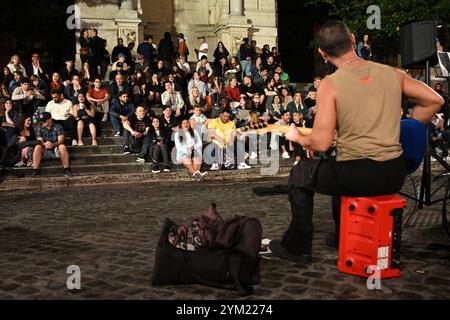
[394, 14]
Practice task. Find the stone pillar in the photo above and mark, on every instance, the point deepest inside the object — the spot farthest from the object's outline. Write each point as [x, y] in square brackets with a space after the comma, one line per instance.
[127, 5]
[129, 24]
[236, 7]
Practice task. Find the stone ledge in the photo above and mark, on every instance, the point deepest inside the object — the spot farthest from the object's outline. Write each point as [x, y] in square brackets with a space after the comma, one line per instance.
[177, 177]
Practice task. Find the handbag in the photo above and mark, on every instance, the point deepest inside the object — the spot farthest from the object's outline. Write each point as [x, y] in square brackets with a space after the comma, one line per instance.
[84, 51]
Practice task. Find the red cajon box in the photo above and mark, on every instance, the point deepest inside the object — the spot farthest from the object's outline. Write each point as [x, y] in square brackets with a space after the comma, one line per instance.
[370, 235]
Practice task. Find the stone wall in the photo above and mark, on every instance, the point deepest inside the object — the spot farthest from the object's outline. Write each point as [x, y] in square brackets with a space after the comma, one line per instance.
[215, 19]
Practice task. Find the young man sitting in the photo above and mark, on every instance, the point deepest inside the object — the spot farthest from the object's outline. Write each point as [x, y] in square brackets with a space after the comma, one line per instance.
[120, 110]
[136, 127]
[51, 136]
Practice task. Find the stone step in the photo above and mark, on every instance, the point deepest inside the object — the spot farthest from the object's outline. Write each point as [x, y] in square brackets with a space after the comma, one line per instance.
[117, 163]
[90, 150]
[54, 168]
[175, 177]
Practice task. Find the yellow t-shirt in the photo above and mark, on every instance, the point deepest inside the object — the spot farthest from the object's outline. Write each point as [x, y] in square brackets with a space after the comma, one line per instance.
[223, 130]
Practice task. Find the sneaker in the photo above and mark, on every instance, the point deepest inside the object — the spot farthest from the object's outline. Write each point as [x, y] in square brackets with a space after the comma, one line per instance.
[253, 156]
[117, 134]
[36, 173]
[243, 166]
[296, 162]
[80, 143]
[105, 117]
[140, 160]
[67, 172]
[155, 168]
[166, 168]
[197, 175]
[94, 143]
[214, 167]
[280, 252]
[74, 142]
[202, 176]
[126, 150]
[285, 155]
[246, 156]
[20, 164]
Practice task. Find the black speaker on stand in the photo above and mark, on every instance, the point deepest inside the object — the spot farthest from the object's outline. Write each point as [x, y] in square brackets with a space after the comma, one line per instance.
[418, 44]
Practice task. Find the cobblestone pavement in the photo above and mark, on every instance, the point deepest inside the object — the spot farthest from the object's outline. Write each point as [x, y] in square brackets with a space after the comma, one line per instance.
[111, 233]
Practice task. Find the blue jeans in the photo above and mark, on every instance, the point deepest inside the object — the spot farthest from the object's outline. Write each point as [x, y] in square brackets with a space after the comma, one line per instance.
[245, 64]
[117, 124]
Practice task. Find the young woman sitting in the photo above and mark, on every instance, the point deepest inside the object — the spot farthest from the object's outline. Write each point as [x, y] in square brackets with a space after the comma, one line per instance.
[189, 150]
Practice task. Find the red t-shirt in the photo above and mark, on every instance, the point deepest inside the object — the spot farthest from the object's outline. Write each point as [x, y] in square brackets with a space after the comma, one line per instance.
[233, 94]
[98, 94]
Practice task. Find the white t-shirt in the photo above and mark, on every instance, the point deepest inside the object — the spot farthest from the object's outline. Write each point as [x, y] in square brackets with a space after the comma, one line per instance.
[59, 110]
[203, 46]
[201, 119]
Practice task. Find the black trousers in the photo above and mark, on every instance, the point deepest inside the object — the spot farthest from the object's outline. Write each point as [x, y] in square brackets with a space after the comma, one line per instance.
[354, 178]
[69, 126]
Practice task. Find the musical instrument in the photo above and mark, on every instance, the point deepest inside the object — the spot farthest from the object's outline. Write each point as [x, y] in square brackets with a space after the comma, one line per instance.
[262, 127]
[413, 137]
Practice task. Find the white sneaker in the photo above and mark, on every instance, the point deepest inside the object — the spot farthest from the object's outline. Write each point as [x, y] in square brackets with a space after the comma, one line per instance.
[253, 156]
[105, 117]
[74, 142]
[140, 160]
[296, 162]
[117, 134]
[285, 155]
[197, 175]
[214, 167]
[202, 176]
[243, 166]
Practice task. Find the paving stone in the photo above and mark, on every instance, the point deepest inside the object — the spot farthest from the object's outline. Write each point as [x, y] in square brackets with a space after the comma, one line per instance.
[113, 237]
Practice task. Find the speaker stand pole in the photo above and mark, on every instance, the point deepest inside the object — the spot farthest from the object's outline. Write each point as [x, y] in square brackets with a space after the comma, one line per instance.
[425, 186]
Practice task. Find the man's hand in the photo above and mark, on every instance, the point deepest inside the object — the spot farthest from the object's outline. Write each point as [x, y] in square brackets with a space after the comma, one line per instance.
[123, 118]
[136, 134]
[48, 145]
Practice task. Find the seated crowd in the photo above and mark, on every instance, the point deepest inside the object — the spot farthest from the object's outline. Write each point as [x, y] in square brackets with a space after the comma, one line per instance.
[156, 102]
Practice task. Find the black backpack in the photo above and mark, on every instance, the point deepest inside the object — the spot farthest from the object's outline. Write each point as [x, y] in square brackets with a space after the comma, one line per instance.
[232, 263]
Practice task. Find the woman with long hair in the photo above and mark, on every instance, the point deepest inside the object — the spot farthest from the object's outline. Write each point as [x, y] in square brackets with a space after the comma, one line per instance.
[85, 74]
[220, 52]
[56, 82]
[153, 90]
[84, 41]
[25, 133]
[232, 90]
[156, 143]
[189, 150]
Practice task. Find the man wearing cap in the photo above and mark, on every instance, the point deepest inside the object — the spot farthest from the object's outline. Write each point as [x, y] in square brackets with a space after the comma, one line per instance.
[119, 70]
[62, 113]
[141, 64]
[121, 61]
[51, 136]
